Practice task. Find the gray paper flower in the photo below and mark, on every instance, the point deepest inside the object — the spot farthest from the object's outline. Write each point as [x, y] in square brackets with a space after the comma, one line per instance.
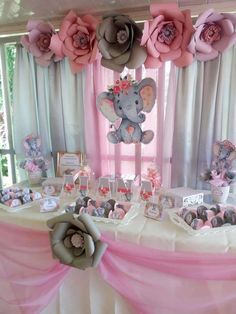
[119, 43]
[75, 241]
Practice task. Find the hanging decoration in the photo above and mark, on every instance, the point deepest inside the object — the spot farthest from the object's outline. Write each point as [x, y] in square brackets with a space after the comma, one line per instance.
[169, 36]
[166, 37]
[76, 40]
[215, 33]
[37, 42]
[76, 241]
[119, 43]
[125, 101]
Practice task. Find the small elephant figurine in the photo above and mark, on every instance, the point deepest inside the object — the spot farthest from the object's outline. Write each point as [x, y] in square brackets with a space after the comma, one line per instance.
[126, 101]
[225, 153]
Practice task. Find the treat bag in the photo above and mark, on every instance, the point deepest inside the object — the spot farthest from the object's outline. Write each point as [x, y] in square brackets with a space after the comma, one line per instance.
[104, 190]
[68, 189]
[83, 186]
[123, 190]
[146, 191]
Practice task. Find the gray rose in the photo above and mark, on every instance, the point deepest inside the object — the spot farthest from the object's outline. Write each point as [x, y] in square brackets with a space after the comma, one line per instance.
[119, 43]
[75, 241]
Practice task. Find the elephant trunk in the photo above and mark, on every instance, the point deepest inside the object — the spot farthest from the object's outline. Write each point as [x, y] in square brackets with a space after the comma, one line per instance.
[132, 114]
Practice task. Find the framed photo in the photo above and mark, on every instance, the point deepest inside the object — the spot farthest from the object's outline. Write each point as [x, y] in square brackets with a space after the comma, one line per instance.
[67, 162]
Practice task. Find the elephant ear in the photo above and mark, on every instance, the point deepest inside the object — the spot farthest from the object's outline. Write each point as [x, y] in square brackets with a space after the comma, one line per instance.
[105, 103]
[147, 91]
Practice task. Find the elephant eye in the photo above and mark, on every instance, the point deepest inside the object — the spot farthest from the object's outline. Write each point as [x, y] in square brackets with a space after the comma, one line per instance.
[136, 102]
[120, 107]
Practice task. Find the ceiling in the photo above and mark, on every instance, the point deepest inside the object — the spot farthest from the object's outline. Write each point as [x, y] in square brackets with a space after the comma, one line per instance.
[14, 14]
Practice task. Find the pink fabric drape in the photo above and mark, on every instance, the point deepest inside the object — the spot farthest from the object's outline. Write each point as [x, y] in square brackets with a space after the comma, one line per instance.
[161, 282]
[106, 158]
[29, 277]
[153, 281]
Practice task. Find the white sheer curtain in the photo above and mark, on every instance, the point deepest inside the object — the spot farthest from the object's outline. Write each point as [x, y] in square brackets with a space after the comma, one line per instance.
[205, 112]
[47, 102]
[191, 113]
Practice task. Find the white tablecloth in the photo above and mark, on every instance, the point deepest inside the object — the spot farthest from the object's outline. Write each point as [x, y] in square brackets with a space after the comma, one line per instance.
[84, 292]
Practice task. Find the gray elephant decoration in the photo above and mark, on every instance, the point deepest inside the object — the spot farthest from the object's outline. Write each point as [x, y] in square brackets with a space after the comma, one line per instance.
[127, 100]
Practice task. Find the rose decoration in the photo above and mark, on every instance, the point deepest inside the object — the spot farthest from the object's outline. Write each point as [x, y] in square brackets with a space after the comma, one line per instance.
[214, 34]
[37, 42]
[167, 36]
[76, 40]
[118, 41]
[75, 241]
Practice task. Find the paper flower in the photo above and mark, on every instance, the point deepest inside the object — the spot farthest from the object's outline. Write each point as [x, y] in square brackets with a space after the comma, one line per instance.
[75, 241]
[214, 34]
[118, 41]
[220, 174]
[76, 40]
[37, 42]
[167, 36]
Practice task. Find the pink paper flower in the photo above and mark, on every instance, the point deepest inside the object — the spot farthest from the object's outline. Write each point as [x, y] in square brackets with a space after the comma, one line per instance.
[38, 40]
[76, 40]
[214, 34]
[167, 36]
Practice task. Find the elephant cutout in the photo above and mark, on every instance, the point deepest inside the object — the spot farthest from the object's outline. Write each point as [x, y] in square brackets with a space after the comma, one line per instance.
[127, 101]
[224, 153]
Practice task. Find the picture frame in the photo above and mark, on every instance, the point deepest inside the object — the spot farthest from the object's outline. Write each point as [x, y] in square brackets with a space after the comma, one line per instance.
[67, 162]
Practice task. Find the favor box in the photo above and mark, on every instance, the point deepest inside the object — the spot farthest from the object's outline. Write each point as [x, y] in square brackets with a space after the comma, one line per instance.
[180, 197]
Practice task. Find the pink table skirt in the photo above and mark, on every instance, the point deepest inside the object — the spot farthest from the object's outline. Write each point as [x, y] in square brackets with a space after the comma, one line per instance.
[152, 281]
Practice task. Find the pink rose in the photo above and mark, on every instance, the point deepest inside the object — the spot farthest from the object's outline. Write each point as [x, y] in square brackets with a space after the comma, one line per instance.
[38, 40]
[76, 40]
[214, 34]
[166, 37]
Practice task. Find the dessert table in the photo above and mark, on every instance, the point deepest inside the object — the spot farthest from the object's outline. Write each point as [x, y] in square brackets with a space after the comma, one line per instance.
[90, 291]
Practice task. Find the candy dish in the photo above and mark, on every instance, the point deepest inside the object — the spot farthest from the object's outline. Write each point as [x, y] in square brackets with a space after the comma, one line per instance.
[205, 219]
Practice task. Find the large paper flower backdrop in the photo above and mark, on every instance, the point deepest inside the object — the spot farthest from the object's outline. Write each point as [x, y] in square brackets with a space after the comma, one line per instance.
[167, 36]
[37, 42]
[75, 241]
[214, 34]
[119, 43]
[76, 40]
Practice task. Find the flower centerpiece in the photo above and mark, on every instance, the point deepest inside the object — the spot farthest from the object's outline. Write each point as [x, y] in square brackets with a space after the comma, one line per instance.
[34, 163]
[220, 176]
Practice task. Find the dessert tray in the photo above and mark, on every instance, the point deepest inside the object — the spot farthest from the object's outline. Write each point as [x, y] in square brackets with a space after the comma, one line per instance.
[15, 199]
[109, 211]
[205, 218]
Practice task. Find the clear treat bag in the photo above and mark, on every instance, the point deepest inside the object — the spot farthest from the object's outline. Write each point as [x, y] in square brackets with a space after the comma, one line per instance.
[103, 189]
[124, 190]
[146, 191]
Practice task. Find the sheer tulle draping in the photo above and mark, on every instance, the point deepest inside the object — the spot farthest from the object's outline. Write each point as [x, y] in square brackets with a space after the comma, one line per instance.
[205, 112]
[29, 277]
[161, 282]
[61, 107]
[153, 281]
[108, 158]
